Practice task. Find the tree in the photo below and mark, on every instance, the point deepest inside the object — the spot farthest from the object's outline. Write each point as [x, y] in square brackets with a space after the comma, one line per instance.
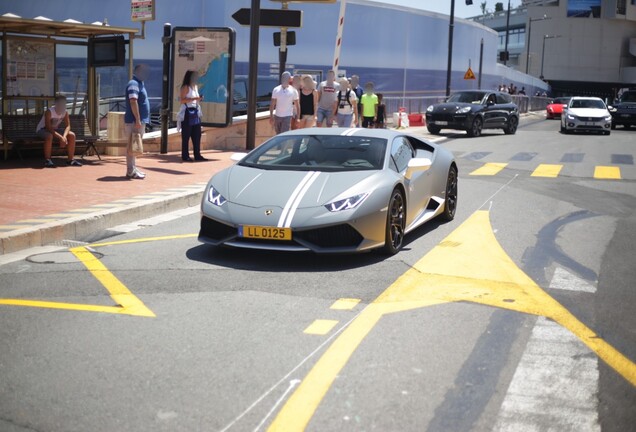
[499, 7]
[484, 8]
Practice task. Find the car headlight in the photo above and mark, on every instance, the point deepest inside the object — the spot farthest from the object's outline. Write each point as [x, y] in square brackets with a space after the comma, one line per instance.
[347, 203]
[463, 110]
[215, 197]
[608, 118]
[429, 109]
[571, 117]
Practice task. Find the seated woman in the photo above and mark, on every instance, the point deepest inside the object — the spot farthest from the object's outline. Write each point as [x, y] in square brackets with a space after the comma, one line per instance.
[50, 128]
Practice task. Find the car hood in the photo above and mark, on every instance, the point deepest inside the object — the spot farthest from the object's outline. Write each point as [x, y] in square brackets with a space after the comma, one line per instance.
[256, 188]
[451, 107]
[555, 106]
[588, 112]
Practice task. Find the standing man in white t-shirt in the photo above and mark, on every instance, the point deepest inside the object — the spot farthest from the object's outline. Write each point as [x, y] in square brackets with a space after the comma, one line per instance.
[284, 100]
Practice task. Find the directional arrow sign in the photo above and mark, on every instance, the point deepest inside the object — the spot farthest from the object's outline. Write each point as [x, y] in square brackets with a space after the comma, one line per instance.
[271, 17]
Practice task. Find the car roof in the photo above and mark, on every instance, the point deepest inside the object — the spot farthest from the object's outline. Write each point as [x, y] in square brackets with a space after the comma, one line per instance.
[355, 132]
[586, 98]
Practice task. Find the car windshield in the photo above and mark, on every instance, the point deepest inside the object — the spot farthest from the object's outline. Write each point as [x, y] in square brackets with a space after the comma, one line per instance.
[467, 97]
[588, 103]
[319, 153]
[629, 97]
[562, 101]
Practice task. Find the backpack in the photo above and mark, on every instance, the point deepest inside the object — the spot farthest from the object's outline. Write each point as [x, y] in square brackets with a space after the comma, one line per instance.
[347, 96]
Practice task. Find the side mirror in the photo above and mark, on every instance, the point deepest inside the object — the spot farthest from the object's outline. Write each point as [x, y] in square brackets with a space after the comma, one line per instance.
[417, 165]
[237, 157]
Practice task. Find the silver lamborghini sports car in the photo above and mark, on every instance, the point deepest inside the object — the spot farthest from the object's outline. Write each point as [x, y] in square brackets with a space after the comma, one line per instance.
[329, 191]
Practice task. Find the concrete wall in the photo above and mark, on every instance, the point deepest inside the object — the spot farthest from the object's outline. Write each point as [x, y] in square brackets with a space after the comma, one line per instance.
[231, 138]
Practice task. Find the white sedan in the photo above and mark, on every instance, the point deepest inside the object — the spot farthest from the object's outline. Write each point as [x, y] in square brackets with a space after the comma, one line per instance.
[588, 114]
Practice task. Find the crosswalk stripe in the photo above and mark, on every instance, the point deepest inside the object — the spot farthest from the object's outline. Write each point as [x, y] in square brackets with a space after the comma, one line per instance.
[607, 172]
[555, 385]
[547, 170]
[489, 169]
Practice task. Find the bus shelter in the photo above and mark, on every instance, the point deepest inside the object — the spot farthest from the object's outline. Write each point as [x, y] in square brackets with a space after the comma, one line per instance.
[29, 68]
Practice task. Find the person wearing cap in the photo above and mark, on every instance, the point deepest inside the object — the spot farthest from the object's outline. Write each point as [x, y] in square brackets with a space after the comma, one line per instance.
[284, 102]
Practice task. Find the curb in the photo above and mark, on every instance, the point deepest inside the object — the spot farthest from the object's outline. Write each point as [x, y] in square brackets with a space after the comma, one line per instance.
[81, 226]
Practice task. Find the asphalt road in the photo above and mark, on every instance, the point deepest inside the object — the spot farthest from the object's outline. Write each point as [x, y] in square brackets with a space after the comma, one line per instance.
[518, 315]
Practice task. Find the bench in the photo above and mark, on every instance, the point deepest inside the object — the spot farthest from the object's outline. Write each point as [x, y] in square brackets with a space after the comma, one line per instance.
[20, 131]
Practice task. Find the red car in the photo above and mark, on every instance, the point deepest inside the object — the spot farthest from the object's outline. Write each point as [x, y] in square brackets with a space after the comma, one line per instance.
[555, 108]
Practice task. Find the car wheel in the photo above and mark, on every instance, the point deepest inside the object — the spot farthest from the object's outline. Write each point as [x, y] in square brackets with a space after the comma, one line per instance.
[395, 223]
[475, 129]
[613, 126]
[433, 129]
[562, 128]
[450, 201]
[627, 126]
[511, 129]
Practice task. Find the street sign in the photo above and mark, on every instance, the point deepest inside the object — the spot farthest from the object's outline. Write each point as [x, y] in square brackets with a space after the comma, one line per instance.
[469, 75]
[271, 17]
[291, 38]
[142, 10]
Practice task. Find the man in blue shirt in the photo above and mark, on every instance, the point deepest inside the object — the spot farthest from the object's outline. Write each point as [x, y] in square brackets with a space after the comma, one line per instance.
[137, 116]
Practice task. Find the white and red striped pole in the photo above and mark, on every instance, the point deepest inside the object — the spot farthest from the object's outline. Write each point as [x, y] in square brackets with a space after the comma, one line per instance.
[336, 54]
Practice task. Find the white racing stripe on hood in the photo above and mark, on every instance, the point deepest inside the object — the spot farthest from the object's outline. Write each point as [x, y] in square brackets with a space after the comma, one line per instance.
[292, 199]
[299, 198]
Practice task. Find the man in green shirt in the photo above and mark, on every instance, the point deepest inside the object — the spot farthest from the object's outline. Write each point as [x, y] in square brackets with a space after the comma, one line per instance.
[369, 102]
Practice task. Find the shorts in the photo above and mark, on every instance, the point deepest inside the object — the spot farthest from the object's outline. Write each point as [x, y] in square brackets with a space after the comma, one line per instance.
[324, 114]
[282, 124]
[367, 122]
[44, 133]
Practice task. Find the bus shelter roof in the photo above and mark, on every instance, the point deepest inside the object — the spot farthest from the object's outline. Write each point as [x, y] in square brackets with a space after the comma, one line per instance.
[69, 28]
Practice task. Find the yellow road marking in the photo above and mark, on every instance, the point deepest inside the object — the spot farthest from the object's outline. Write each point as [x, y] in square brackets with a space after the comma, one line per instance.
[547, 170]
[62, 215]
[82, 210]
[108, 205]
[144, 240]
[345, 304]
[15, 226]
[320, 327]
[36, 221]
[117, 290]
[607, 172]
[127, 302]
[469, 265]
[489, 169]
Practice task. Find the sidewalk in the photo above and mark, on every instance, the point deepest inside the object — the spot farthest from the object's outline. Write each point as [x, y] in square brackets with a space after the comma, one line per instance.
[40, 206]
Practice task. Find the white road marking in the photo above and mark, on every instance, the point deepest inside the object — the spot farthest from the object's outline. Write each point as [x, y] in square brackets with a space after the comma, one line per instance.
[292, 384]
[292, 197]
[564, 280]
[555, 386]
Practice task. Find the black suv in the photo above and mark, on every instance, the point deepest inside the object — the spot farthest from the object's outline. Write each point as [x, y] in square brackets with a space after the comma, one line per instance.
[624, 110]
[264, 85]
[473, 111]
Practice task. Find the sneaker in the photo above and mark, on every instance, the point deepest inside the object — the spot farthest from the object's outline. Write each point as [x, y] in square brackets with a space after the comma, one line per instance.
[74, 162]
[138, 175]
[49, 164]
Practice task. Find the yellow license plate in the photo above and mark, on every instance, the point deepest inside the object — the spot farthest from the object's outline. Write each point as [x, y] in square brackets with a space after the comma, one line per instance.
[265, 233]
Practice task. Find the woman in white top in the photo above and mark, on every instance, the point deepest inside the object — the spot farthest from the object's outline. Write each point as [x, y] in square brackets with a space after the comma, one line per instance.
[191, 124]
[51, 127]
[347, 110]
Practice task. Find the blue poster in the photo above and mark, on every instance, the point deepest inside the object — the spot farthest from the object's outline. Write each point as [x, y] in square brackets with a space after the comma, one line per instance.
[584, 8]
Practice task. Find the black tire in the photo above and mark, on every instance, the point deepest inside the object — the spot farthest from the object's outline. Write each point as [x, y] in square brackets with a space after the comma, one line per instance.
[450, 200]
[395, 223]
[513, 123]
[627, 126]
[476, 127]
[614, 126]
[433, 129]
[562, 129]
